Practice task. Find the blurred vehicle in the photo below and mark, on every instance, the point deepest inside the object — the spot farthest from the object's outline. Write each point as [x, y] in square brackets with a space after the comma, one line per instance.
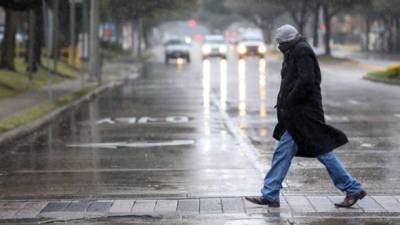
[214, 45]
[175, 49]
[251, 45]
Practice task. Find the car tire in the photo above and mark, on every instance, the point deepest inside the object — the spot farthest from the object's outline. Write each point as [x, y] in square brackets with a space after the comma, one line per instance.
[188, 58]
[166, 59]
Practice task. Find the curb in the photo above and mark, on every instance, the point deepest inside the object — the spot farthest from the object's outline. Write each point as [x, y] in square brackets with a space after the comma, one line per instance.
[32, 126]
[29, 128]
[384, 81]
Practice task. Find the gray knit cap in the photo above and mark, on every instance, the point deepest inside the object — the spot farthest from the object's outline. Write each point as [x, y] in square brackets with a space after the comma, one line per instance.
[285, 33]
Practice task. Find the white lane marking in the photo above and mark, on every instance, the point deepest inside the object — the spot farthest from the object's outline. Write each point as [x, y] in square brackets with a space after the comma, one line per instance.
[353, 102]
[244, 141]
[336, 118]
[108, 120]
[115, 145]
[397, 115]
[144, 120]
[366, 145]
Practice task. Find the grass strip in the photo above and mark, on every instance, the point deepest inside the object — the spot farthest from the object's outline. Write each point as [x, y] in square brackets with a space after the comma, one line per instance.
[16, 82]
[384, 75]
[42, 109]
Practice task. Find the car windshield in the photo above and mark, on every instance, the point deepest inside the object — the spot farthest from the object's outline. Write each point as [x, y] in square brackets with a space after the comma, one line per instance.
[251, 39]
[215, 41]
[175, 42]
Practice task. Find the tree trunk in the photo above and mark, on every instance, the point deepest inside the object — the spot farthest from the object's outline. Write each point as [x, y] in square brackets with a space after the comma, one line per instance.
[8, 43]
[367, 31]
[39, 35]
[316, 26]
[327, 37]
[300, 26]
[146, 35]
[139, 41]
[390, 39]
[32, 66]
[266, 26]
[397, 25]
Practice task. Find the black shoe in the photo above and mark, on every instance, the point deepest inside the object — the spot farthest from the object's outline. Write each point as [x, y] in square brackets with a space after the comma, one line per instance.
[262, 201]
[351, 199]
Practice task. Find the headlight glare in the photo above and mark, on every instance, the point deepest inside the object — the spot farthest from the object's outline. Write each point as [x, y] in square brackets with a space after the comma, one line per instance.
[206, 49]
[262, 49]
[223, 49]
[241, 49]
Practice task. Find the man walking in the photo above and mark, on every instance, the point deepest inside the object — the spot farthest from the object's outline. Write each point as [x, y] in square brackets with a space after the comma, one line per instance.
[301, 128]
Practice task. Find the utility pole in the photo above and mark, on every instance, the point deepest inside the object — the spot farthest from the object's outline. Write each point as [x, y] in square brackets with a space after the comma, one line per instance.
[48, 42]
[31, 44]
[72, 30]
[85, 29]
[94, 42]
[56, 23]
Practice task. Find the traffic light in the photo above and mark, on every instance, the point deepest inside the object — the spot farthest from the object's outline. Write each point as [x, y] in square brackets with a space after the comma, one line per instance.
[192, 23]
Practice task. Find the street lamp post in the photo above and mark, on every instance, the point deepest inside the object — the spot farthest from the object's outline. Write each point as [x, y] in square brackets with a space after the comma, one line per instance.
[49, 47]
[94, 64]
[72, 30]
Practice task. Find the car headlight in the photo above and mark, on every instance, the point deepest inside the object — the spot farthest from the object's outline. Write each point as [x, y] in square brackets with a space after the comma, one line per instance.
[206, 49]
[262, 49]
[242, 49]
[223, 49]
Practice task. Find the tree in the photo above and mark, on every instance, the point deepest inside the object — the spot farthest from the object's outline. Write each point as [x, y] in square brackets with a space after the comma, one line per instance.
[331, 8]
[261, 13]
[8, 43]
[299, 10]
[316, 22]
[387, 12]
[144, 14]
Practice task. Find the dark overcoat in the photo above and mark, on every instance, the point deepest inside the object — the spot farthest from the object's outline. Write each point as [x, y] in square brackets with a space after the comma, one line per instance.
[299, 103]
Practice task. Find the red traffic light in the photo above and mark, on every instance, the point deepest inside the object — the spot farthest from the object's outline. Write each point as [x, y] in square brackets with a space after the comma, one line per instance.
[192, 23]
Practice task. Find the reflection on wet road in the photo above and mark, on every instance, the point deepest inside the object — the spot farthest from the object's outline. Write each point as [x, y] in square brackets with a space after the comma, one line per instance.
[163, 135]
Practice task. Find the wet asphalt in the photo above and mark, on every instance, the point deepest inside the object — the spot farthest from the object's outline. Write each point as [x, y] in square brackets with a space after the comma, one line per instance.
[165, 134]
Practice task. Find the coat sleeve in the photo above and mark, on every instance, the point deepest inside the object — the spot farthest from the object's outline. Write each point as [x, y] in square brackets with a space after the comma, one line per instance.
[305, 64]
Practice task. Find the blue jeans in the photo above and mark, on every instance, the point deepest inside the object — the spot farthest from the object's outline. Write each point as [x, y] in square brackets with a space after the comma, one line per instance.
[282, 158]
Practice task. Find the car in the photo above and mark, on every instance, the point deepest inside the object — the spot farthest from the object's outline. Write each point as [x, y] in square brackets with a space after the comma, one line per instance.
[249, 46]
[175, 49]
[214, 46]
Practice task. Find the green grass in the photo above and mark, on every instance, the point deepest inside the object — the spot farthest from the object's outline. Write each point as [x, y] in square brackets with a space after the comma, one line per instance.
[332, 59]
[16, 82]
[62, 68]
[384, 75]
[41, 110]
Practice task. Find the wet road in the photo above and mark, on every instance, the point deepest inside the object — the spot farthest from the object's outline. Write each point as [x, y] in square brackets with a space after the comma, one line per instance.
[171, 133]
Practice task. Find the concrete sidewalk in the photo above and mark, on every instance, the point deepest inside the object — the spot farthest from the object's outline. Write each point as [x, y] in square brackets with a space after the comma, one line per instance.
[292, 206]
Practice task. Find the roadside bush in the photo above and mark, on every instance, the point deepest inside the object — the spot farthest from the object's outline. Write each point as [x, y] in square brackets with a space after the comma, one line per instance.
[393, 71]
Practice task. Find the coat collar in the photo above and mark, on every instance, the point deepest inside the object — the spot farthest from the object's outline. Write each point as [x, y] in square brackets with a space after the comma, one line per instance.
[285, 47]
